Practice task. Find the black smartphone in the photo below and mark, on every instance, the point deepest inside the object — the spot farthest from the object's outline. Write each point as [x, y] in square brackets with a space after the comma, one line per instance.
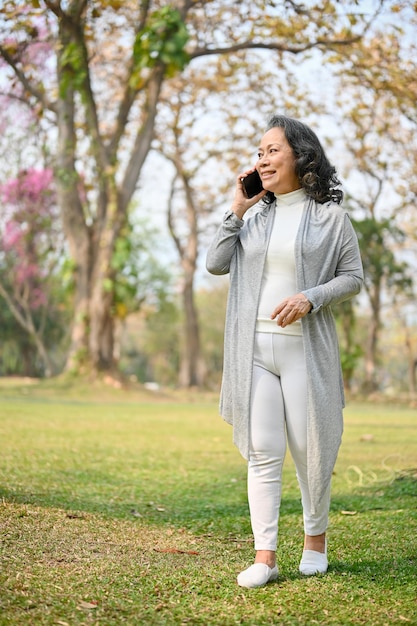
[252, 184]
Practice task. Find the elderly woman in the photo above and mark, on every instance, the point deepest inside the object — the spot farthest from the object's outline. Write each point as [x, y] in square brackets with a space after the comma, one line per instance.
[289, 263]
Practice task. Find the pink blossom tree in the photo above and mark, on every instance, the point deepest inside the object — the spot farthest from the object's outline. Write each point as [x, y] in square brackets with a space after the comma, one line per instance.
[31, 250]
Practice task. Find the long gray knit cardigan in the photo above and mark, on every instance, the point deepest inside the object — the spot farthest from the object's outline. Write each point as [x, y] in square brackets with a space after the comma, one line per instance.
[328, 271]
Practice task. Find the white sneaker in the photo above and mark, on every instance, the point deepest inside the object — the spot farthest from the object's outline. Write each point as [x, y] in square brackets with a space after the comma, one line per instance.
[257, 575]
[313, 562]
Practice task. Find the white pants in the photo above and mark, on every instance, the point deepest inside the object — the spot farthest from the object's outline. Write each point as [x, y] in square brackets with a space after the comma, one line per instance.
[278, 413]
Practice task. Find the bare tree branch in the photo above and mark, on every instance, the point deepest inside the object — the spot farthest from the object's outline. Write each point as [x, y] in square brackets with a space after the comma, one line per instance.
[143, 138]
[75, 8]
[130, 93]
[170, 218]
[126, 104]
[90, 106]
[26, 322]
[55, 7]
[35, 92]
[251, 45]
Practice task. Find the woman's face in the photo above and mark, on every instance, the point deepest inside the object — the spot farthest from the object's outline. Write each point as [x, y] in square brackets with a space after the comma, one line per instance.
[276, 163]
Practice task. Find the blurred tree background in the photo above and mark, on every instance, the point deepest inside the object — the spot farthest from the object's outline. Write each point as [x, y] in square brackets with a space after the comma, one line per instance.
[124, 125]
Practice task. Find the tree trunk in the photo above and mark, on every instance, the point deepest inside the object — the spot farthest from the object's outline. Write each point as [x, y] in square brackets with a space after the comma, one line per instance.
[92, 231]
[92, 336]
[371, 383]
[347, 317]
[192, 369]
[412, 362]
[102, 322]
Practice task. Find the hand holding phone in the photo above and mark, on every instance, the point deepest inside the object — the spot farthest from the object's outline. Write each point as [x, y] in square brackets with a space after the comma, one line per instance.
[252, 184]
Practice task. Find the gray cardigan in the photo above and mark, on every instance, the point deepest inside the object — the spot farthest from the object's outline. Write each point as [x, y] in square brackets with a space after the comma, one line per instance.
[328, 271]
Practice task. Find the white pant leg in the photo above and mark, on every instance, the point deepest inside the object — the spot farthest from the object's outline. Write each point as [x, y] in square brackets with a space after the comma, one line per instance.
[278, 402]
[267, 452]
[289, 358]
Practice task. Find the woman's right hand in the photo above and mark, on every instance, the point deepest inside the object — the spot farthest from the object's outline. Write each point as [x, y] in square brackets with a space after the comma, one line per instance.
[241, 202]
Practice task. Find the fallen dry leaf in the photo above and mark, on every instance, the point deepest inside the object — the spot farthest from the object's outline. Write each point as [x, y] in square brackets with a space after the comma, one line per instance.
[367, 437]
[87, 605]
[348, 512]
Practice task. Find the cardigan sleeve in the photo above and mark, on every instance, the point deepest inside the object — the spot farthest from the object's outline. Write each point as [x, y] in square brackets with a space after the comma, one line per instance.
[348, 276]
[224, 244]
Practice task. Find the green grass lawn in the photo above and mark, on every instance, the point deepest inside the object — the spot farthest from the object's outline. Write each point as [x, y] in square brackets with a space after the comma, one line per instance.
[119, 509]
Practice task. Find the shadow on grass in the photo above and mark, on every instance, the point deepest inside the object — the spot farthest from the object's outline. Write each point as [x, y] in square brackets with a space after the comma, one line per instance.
[199, 506]
[397, 568]
[191, 507]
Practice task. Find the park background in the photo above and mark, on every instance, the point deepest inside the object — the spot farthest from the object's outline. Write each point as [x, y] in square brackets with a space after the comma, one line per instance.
[123, 126]
[123, 129]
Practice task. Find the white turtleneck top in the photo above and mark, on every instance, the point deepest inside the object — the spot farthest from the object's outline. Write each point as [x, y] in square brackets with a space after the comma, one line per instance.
[278, 280]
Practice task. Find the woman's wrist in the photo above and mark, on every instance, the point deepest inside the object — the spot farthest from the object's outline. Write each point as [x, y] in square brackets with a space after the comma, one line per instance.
[238, 211]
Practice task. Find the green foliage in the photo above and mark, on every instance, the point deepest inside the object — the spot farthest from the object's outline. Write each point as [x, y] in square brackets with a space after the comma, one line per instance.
[66, 177]
[73, 71]
[162, 40]
[211, 313]
[378, 258]
[350, 349]
[143, 283]
[19, 355]
[32, 255]
[151, 344]
[350, 358]
[140, 276]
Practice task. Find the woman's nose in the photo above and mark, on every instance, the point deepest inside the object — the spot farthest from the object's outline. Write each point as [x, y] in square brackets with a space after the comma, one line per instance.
[262, 160]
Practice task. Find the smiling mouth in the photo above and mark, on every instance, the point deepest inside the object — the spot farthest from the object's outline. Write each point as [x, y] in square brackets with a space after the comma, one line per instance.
[267, 174]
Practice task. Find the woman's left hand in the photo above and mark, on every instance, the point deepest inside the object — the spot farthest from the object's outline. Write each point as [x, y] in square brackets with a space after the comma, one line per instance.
[291, 309]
